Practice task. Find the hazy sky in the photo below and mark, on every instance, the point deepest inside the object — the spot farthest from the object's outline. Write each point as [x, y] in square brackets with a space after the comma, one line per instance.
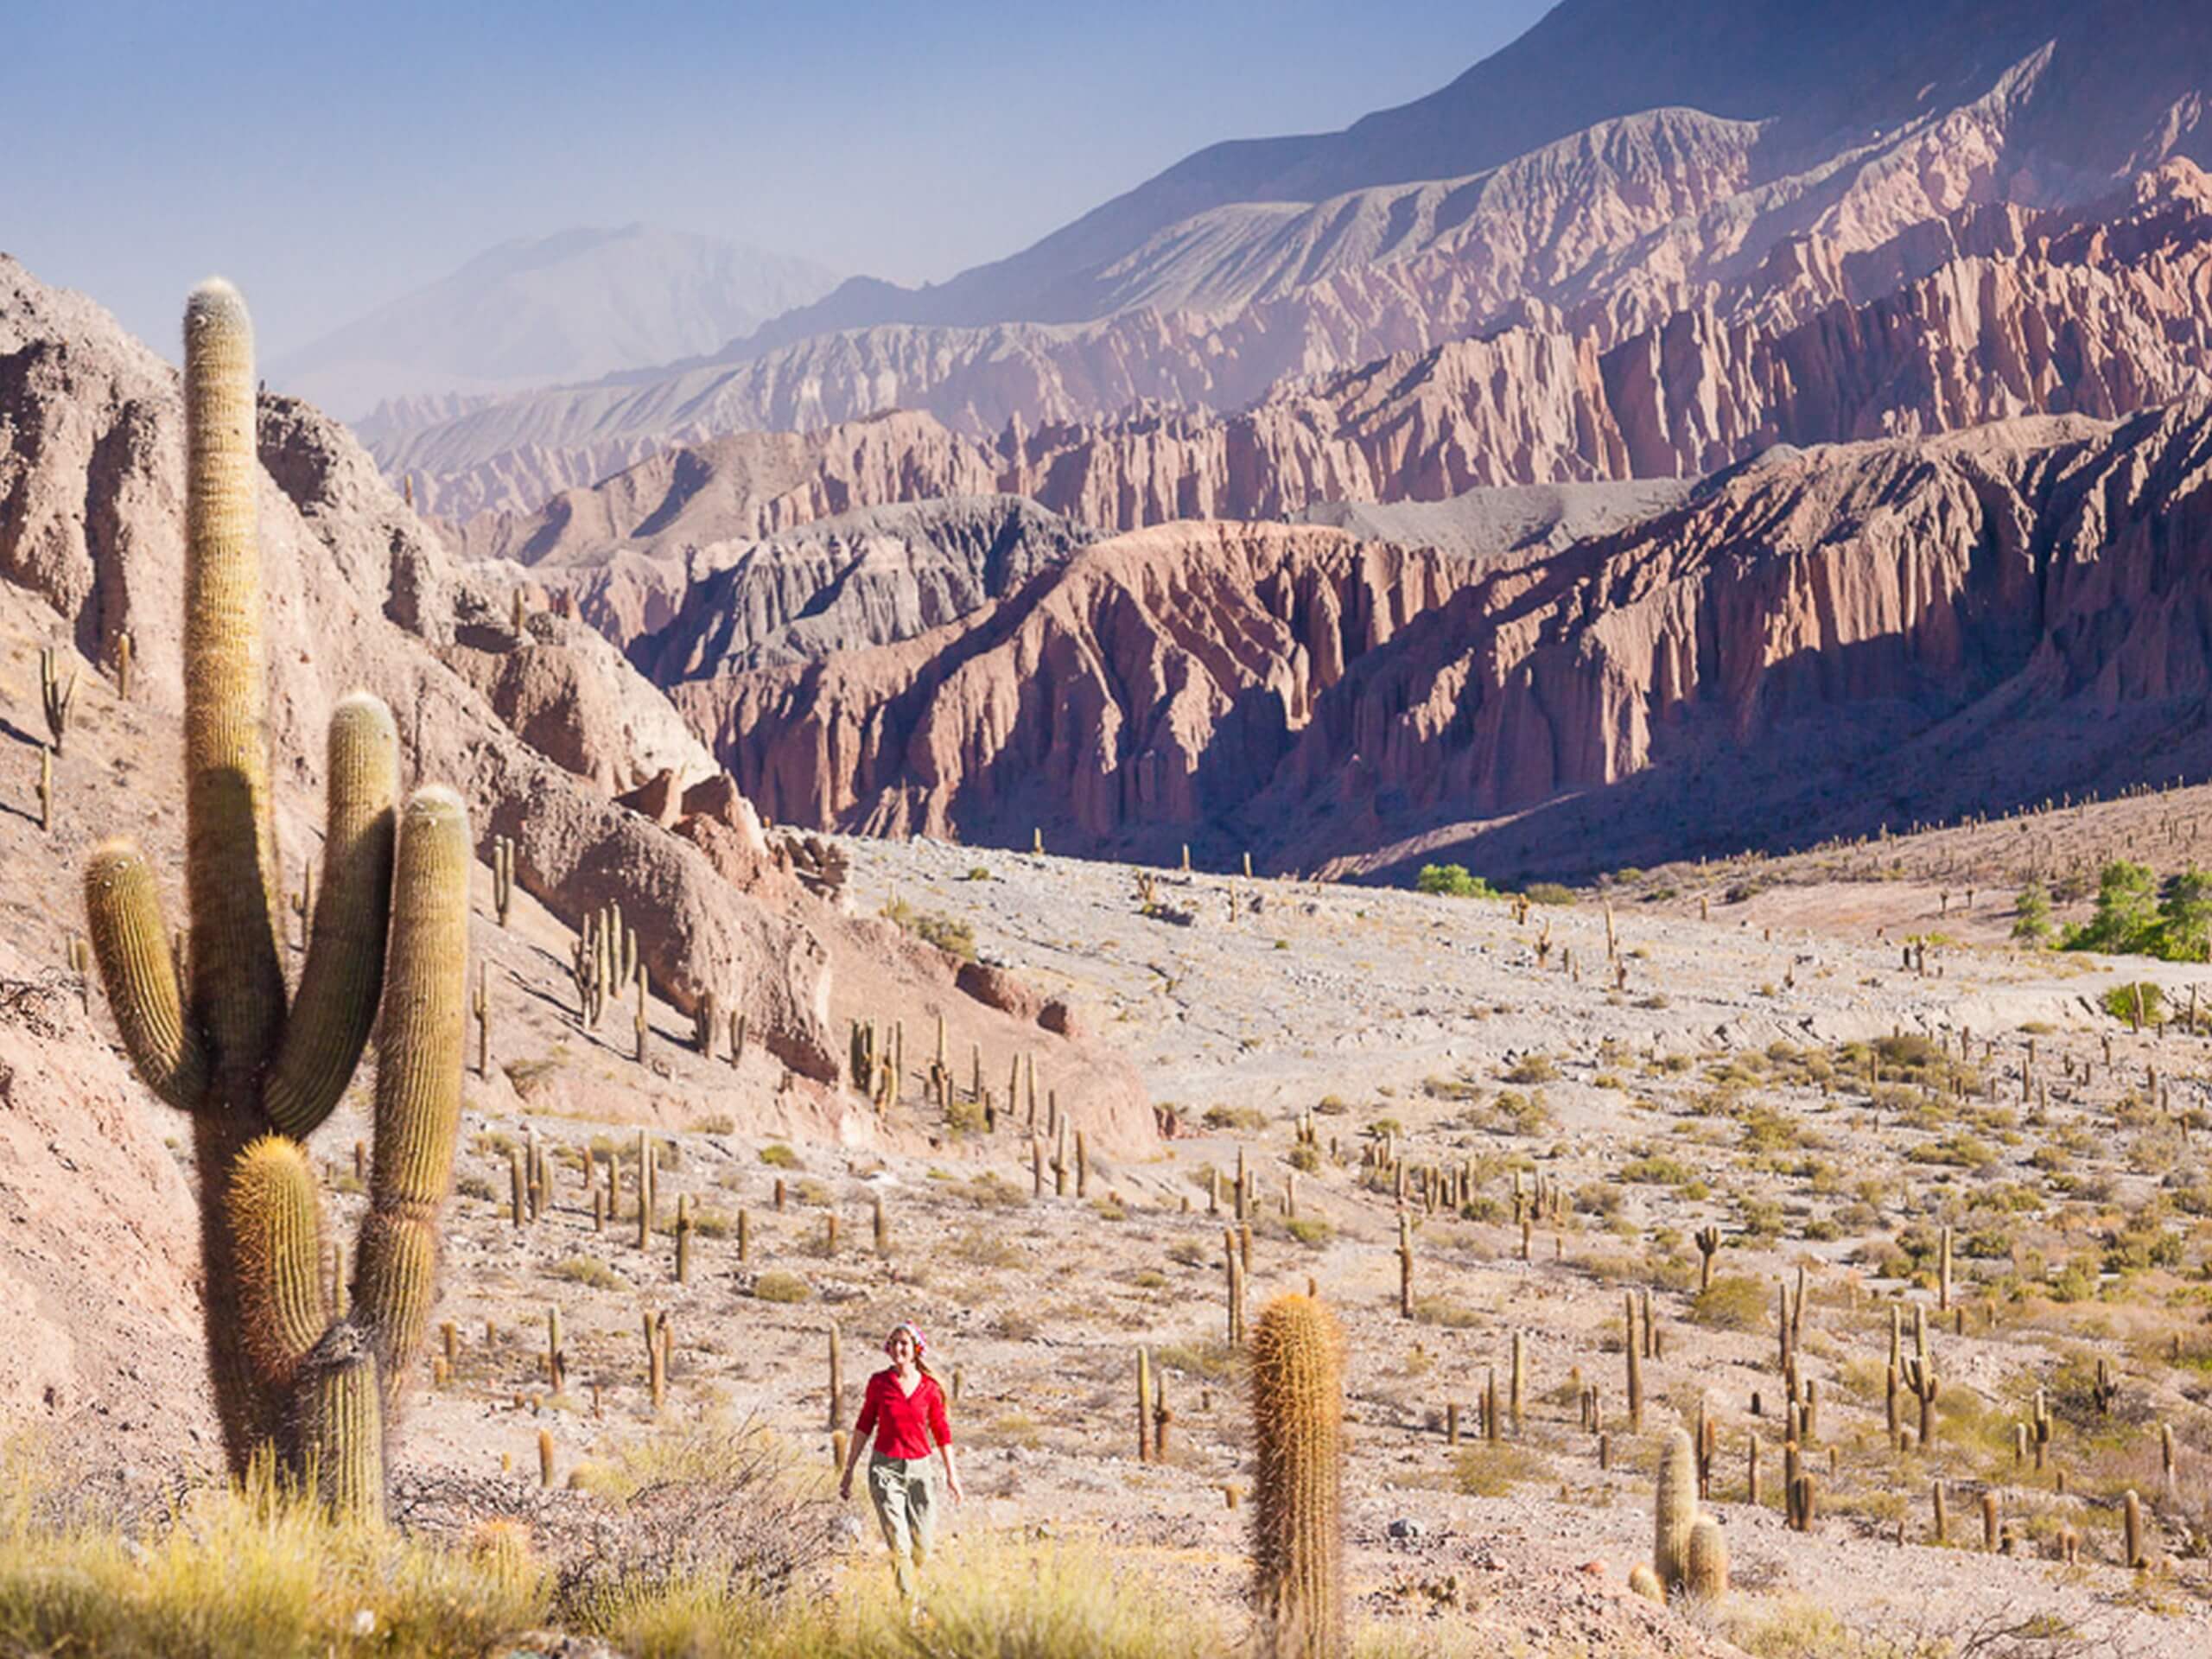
[329, 158]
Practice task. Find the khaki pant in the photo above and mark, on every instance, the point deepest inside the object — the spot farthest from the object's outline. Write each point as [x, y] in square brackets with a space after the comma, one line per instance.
[905, 1503]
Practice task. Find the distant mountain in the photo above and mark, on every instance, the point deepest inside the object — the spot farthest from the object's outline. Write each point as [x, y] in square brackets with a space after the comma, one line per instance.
[1823, 74]
[1623, 169]
[545, 310]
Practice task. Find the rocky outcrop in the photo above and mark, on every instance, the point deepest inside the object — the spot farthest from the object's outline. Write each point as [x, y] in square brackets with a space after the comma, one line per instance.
[859, 579]
[1810, 643]
[568, 694]
[1157, 681]
[359, 594]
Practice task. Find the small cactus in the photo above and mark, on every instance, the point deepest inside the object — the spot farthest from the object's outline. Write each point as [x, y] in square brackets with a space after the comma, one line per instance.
[1708, 1246]
[1296, 1513]
[1635, 1372]
[502, 876]
[480, 1006]
[1643, 1581]
[55, 695]
[1707, 1575]
[122, 649]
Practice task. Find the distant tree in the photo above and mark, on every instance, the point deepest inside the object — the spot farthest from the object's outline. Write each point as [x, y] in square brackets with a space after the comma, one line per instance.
[2125, 922]
[2031, 915]
[1452, 881]
[2185, 917]
[2135, 916]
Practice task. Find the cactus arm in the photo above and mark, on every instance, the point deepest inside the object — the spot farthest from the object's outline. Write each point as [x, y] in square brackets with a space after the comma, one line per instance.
[275, 1222]
[237, 989]
[419, 1060]
[123, 913]
[336, 1006]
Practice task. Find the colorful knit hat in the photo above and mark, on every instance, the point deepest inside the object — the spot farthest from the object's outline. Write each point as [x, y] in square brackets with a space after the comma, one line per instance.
[921, 1342]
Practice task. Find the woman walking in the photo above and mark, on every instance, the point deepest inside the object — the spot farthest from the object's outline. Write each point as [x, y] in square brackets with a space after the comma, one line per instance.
[905, 1411]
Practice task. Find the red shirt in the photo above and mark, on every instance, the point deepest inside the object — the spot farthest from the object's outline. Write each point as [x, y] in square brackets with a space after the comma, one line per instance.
[903, 1422]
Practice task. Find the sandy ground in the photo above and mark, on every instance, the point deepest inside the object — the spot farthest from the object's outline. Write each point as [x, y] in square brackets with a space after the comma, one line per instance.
[1413, 1015]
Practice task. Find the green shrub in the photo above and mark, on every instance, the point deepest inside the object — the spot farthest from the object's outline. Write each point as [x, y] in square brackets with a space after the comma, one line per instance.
[1315, 1230]
[777, 1286]
[586, 1270]
[1494, 1468]
[2121, 1002]
[1731, 1302]
[777, 1155]
[1452, 881]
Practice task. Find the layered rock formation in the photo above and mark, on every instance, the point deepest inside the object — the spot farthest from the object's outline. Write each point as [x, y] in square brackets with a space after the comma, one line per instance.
[1727, 191]
[1816, 642]
[2100, 311]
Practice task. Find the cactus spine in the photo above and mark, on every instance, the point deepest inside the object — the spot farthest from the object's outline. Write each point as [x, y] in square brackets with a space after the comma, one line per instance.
[1297, 1512]
[314, 1380]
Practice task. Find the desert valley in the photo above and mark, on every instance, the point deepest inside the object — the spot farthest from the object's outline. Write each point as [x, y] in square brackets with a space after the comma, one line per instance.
[1470, 848]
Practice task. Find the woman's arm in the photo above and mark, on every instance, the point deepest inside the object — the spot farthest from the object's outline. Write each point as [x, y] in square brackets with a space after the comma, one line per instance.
[852, 1456]
[862, 1429]
[941, 1427]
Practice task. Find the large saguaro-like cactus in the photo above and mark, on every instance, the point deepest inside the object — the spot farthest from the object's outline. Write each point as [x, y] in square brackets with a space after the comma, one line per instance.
[1298, 1408]
[300, 1369]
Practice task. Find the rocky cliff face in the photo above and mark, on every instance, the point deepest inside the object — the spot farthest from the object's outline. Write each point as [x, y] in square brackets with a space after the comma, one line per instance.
[2100, 311]
[1962, 620]
[1735, 213]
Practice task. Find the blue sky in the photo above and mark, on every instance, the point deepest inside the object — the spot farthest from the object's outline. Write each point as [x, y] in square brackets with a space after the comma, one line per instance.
[329, 158]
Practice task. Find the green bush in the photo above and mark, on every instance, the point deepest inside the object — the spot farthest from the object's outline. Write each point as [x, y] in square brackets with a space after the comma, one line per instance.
[2121, 1002]
[777, 1155]
[1452, 881]
[1731, 1302]
[1493, 1469]
[2031, 913]
[777, 1286]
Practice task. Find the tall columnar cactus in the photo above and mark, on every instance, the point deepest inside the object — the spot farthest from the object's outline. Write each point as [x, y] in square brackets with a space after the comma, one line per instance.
[1674, 1510]
[1298, 1509]
[310, 1375]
